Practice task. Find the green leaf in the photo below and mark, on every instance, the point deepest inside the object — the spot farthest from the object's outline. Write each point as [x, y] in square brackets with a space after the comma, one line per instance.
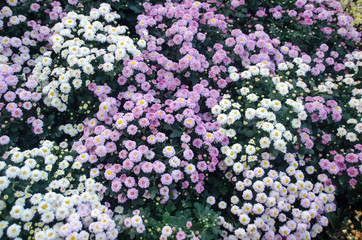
[166, 218]
[175, 133]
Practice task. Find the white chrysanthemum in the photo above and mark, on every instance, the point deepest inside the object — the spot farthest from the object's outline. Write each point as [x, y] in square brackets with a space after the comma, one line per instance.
[296, 123]
[341, 131]
[230, 133]
[108, 58]
[261, 112]
[246, 74]
[228, 161]
[235, 113]
[65, 88]
[264, 142]
[25, 173]
[254, 70]
[238, 167]
[234, 76]
[17, 157]
[104, 8]
[275, 134]
[298, 107]
[302, 115]
[16, 211]
[252, 97]
[222, 119]
[304, 67]
[271, 117]
[352, 137]
[57, 39]
[36, 175]
[358, 127]
[275, 105]
[222, 204]
[322, 88]
[46, 61]
[27, 215]
[234, 199]
[250, 113]
[230, 119]
[244, 91]
[231, 154]
[12, 172]
[264, 72]
[298, 60]
[250, 150]
[282, 66]
[288, 135]
[244, 219]
[300, 72]
[77, 83]
[267, 126]
[232, 69]
[13, 231]
[349, 64]
[224, 149]
[108, 67]
[225, 103]
[237, 148]
[190, 168]
[210, 200]
[348, 80]
[265, 103]
[280, 145]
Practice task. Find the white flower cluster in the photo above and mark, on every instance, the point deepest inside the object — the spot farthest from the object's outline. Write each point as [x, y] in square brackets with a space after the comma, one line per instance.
[85, 46]
[260, 69]
[72, 130]
[354, 60]
[353, 129]
[73, 203]
[265, 199]
[266, 118]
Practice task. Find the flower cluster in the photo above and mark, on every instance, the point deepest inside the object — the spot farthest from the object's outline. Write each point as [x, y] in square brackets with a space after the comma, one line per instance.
[43, 197]
[87, 47]
[200, 120]
[276, 204]
[180, 156]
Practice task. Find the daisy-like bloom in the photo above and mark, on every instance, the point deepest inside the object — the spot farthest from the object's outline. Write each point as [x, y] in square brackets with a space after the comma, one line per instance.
[264, 142]
[159, 167]
[222, 205]
[166, 231]
[234, 199]
[190, 168]
[250, 150]
[132, 193]
[136, 221]
[250, 113]
[254, 70]
[238, 167]
[252, 97]
[168, 151]
[352, 137]
[244, 219]
[350, 157]
[166, 179]
[247, 194]
[210, 200]
[13, 231]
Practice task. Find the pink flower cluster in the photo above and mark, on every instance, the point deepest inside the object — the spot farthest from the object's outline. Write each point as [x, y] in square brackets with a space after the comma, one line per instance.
[344, 162]
[319, 109]
[144, 122]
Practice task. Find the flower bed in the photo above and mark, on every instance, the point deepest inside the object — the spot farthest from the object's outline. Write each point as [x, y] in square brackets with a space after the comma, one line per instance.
[179, 119]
